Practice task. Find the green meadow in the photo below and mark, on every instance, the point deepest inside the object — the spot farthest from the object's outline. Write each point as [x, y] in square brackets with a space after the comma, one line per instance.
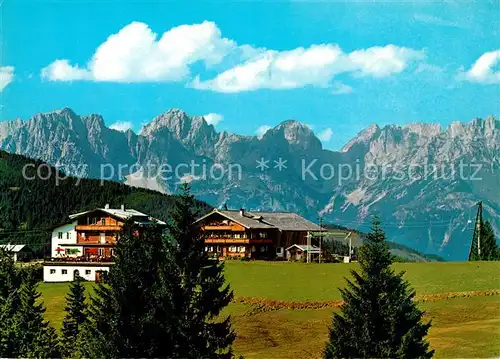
[463, 302]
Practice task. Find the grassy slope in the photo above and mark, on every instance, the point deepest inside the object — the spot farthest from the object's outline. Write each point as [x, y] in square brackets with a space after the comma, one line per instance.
[462, 327]
[300, 282]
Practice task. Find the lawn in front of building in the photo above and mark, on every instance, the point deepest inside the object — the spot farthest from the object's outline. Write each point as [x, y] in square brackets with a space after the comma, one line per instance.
[462, 327]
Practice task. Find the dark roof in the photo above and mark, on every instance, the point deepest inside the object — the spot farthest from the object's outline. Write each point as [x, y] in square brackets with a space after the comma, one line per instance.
[125, 214]
[15, 248]
[264, 220]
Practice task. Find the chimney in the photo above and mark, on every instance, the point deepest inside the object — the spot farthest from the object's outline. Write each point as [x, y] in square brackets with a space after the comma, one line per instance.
[242, 212]
[123, 207]
[106, 206]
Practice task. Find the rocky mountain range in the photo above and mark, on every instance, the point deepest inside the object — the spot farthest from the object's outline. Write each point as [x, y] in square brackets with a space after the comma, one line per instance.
[421, 179]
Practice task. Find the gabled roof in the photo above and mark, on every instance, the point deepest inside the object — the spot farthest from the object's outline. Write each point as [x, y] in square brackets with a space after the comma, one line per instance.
[304, 248]
[13, 248]
[247, 221]
[288, 221]
[265, 220]
[124, 214]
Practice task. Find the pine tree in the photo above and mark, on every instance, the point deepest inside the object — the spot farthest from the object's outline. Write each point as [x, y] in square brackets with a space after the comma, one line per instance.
[489, 247]
[203, 292]
[36, 338]
[130, 315]
[75, 317]
[484, 239]
[10, 281]
[23, 331]
[379, 318]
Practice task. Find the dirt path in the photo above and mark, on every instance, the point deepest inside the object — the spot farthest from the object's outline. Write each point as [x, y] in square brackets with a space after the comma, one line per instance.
[265, 305]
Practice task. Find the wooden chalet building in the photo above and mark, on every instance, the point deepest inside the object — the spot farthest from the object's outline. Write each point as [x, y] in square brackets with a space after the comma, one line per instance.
[256, 235]
[85, 244]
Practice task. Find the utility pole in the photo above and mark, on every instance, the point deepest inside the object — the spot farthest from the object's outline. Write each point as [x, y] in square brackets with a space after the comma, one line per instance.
[477, 231]
[320, 238]
[350, 245]
[309, 247]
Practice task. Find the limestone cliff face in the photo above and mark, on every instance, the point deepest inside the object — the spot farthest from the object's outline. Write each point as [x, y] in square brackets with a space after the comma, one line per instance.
[421, 179]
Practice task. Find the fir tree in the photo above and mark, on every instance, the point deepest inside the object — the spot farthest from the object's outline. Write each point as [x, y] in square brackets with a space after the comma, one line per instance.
[489, 248]
[379, 318]
[203, 293]
[75, 316]
[23, 331]
[484, 239]
[130, 315]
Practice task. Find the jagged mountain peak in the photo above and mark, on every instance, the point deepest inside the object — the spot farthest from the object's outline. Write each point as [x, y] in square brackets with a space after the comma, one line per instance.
[192, 131]
[296, 134]
[425, 129]
[179, 123]
[363, 138]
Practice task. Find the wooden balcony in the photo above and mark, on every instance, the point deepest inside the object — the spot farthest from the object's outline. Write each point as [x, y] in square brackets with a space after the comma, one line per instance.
[238, 241]
[98, 228]
[224, 228]
[96, 240]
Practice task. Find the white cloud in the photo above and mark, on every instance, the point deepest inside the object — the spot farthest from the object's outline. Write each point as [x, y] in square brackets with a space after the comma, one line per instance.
[61, 70]
[325, 135]
[6, 76]
[483, 70]
[136, 54]
[213, 118]
[341, 89]
[314, 66]
[261, 131]
[384, 61]
[121, 126]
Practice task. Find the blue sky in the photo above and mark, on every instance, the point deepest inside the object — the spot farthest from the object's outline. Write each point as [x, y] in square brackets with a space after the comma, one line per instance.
[337, 67]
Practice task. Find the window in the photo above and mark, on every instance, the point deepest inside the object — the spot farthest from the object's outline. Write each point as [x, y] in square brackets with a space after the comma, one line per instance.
[263, 248]
[279, 250]
[60, 235]
[88, 272]
[52, 271]
[100, 251]
[103, 221]
[94, 220]
[242, 249]
[68, 235]
[64, 271]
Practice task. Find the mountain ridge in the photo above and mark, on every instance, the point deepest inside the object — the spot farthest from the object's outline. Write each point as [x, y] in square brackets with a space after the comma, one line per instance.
[438, 200]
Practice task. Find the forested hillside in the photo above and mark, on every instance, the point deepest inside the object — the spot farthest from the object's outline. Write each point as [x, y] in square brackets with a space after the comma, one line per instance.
[30, 208]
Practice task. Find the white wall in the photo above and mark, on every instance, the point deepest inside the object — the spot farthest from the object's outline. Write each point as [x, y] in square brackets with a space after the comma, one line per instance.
[67, 228]
[70, 269]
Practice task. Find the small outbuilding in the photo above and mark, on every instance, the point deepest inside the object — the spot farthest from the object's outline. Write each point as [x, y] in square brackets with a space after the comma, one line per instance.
[297, 251]
[19, 252]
